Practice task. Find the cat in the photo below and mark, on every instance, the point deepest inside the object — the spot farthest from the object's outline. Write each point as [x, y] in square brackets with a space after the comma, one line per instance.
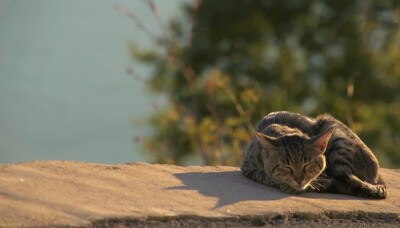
[297, 153]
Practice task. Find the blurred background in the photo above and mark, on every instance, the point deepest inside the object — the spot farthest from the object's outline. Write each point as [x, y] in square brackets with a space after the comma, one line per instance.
[64, 91]
[185, 82]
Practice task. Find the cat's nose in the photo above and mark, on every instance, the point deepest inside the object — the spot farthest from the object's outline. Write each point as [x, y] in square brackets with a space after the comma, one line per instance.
[298, 180]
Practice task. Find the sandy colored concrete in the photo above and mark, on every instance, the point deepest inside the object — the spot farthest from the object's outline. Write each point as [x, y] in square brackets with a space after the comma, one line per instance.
[65, 193]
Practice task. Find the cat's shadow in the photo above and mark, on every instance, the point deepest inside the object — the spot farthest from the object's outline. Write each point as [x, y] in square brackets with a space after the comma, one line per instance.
[231, 187]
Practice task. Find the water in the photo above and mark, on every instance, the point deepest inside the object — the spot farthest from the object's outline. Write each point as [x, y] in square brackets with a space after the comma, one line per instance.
[64, 93]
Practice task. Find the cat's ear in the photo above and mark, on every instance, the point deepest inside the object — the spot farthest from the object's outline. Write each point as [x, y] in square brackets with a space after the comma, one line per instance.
[320, 142]
[265, 140]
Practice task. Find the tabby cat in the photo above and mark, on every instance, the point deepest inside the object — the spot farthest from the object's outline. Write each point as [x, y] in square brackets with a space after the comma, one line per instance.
[296, 153]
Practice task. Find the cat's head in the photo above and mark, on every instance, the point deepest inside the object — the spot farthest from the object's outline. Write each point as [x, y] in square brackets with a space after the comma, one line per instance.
[294, 159]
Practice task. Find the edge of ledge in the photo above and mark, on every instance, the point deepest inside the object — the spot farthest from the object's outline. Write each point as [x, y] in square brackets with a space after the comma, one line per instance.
[255, 220]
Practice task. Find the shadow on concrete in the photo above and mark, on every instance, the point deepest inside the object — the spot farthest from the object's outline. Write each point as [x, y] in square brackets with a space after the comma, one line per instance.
[230, 187]
[335, 196]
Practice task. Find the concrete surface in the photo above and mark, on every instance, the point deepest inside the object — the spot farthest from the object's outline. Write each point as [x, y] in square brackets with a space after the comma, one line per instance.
[65, 193]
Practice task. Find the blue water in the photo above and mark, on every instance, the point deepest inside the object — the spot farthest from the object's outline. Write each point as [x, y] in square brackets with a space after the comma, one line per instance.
[64, 93]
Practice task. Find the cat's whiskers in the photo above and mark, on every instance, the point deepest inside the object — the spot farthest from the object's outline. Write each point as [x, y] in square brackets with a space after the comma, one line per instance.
[317, 185]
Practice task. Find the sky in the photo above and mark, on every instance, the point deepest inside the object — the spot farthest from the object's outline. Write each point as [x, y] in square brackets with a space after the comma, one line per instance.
[64, 90]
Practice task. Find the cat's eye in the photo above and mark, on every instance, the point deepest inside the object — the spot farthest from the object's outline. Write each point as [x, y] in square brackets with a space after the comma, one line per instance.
[289, 169]
[305, 167]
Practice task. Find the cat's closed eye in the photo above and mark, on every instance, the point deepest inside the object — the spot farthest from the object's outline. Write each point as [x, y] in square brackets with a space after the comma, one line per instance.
[311, 168]
[305, 167]
[284, 171]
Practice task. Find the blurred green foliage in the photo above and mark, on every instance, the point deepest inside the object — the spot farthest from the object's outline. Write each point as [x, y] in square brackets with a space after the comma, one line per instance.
[225, 65]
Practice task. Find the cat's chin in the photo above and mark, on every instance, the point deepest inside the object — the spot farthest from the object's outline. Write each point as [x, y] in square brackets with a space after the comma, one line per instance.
[301, 187]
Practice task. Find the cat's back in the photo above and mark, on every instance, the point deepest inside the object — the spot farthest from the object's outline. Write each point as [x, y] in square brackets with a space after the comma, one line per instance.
[288, 119]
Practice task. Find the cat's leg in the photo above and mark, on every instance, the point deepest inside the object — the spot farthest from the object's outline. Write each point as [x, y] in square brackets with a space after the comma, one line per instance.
[256, 175]
[250, 170]
[343, 156]
[362, 188]
[329, 185]
[260, 177]
[348, 183]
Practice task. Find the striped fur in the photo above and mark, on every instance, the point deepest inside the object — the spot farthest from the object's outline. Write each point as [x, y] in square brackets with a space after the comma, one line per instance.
[296, 153]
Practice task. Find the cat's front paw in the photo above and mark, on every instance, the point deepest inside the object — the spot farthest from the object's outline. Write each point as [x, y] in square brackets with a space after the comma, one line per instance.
[381, 191]
[287, 189]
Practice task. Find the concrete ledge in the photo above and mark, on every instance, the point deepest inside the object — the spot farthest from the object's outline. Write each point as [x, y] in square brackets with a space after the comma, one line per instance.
[64, 193]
